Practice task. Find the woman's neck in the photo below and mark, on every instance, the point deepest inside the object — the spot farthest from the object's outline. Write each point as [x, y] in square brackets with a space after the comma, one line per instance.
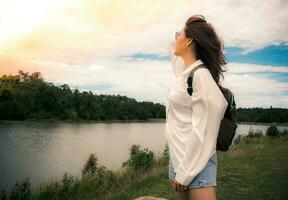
[189, 59]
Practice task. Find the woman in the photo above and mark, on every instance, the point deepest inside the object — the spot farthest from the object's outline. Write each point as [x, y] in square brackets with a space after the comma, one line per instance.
[193, 122]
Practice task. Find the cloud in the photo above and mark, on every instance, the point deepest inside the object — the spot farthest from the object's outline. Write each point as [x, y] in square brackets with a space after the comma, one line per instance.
[252, 68]
[114, 28]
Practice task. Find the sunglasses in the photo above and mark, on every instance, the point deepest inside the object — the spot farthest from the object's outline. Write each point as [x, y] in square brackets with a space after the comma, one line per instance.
[177, 34]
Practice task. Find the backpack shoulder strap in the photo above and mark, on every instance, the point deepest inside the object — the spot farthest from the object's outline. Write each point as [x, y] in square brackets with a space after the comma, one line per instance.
[190, 78]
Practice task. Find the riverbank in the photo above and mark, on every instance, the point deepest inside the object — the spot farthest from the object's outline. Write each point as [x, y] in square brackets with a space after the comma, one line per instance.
[254, 168]
[266, 124]
[151, 120]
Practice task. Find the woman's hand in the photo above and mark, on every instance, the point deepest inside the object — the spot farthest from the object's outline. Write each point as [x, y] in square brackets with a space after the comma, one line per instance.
[179, 187]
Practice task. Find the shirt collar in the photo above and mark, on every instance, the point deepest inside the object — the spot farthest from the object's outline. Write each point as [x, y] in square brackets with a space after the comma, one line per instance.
[192, 66]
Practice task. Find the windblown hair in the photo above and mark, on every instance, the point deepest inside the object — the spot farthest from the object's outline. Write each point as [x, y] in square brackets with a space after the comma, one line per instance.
[208, 46]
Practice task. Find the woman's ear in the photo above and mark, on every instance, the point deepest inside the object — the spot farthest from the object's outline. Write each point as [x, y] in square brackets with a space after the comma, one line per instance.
[190, 41]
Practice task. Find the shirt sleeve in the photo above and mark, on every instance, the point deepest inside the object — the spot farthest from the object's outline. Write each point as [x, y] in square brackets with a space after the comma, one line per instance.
[177, 62]
[208, 109]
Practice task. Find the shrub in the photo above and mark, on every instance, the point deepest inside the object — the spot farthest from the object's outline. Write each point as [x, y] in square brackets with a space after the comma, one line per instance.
[90, 166]
[70, 187]
[254, 134]
[21, 190]
[272, 130]
[49, 191]
[139, 159]
[101, 168]
[238, 139]
[166, 150]
[284, 132]
[164, 158]
[3, 195]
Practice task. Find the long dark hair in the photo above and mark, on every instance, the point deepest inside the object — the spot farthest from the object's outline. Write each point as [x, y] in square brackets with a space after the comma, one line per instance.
[209, 47]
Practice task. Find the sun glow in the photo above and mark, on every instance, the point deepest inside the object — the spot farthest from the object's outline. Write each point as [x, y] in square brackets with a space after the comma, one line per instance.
[18, 18]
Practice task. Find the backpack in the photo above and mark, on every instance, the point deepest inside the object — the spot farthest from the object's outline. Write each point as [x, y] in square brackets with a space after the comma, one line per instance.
[228, 123]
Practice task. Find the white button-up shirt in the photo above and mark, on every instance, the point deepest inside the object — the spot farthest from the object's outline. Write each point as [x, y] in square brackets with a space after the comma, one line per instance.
[192, 122]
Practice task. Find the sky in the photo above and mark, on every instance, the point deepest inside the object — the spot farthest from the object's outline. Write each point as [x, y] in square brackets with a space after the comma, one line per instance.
[121, 46]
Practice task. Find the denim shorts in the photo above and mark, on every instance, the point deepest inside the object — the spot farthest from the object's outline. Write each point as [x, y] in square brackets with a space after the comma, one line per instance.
[207, 177]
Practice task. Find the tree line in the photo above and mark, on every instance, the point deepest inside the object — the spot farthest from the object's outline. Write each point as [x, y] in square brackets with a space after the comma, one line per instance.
[262, 115]
[29, 96]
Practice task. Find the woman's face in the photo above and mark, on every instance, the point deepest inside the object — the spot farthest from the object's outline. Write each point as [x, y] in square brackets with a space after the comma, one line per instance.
[182, 43]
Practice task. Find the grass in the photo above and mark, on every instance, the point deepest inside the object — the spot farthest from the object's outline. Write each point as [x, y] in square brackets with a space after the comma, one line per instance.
[256, 168]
